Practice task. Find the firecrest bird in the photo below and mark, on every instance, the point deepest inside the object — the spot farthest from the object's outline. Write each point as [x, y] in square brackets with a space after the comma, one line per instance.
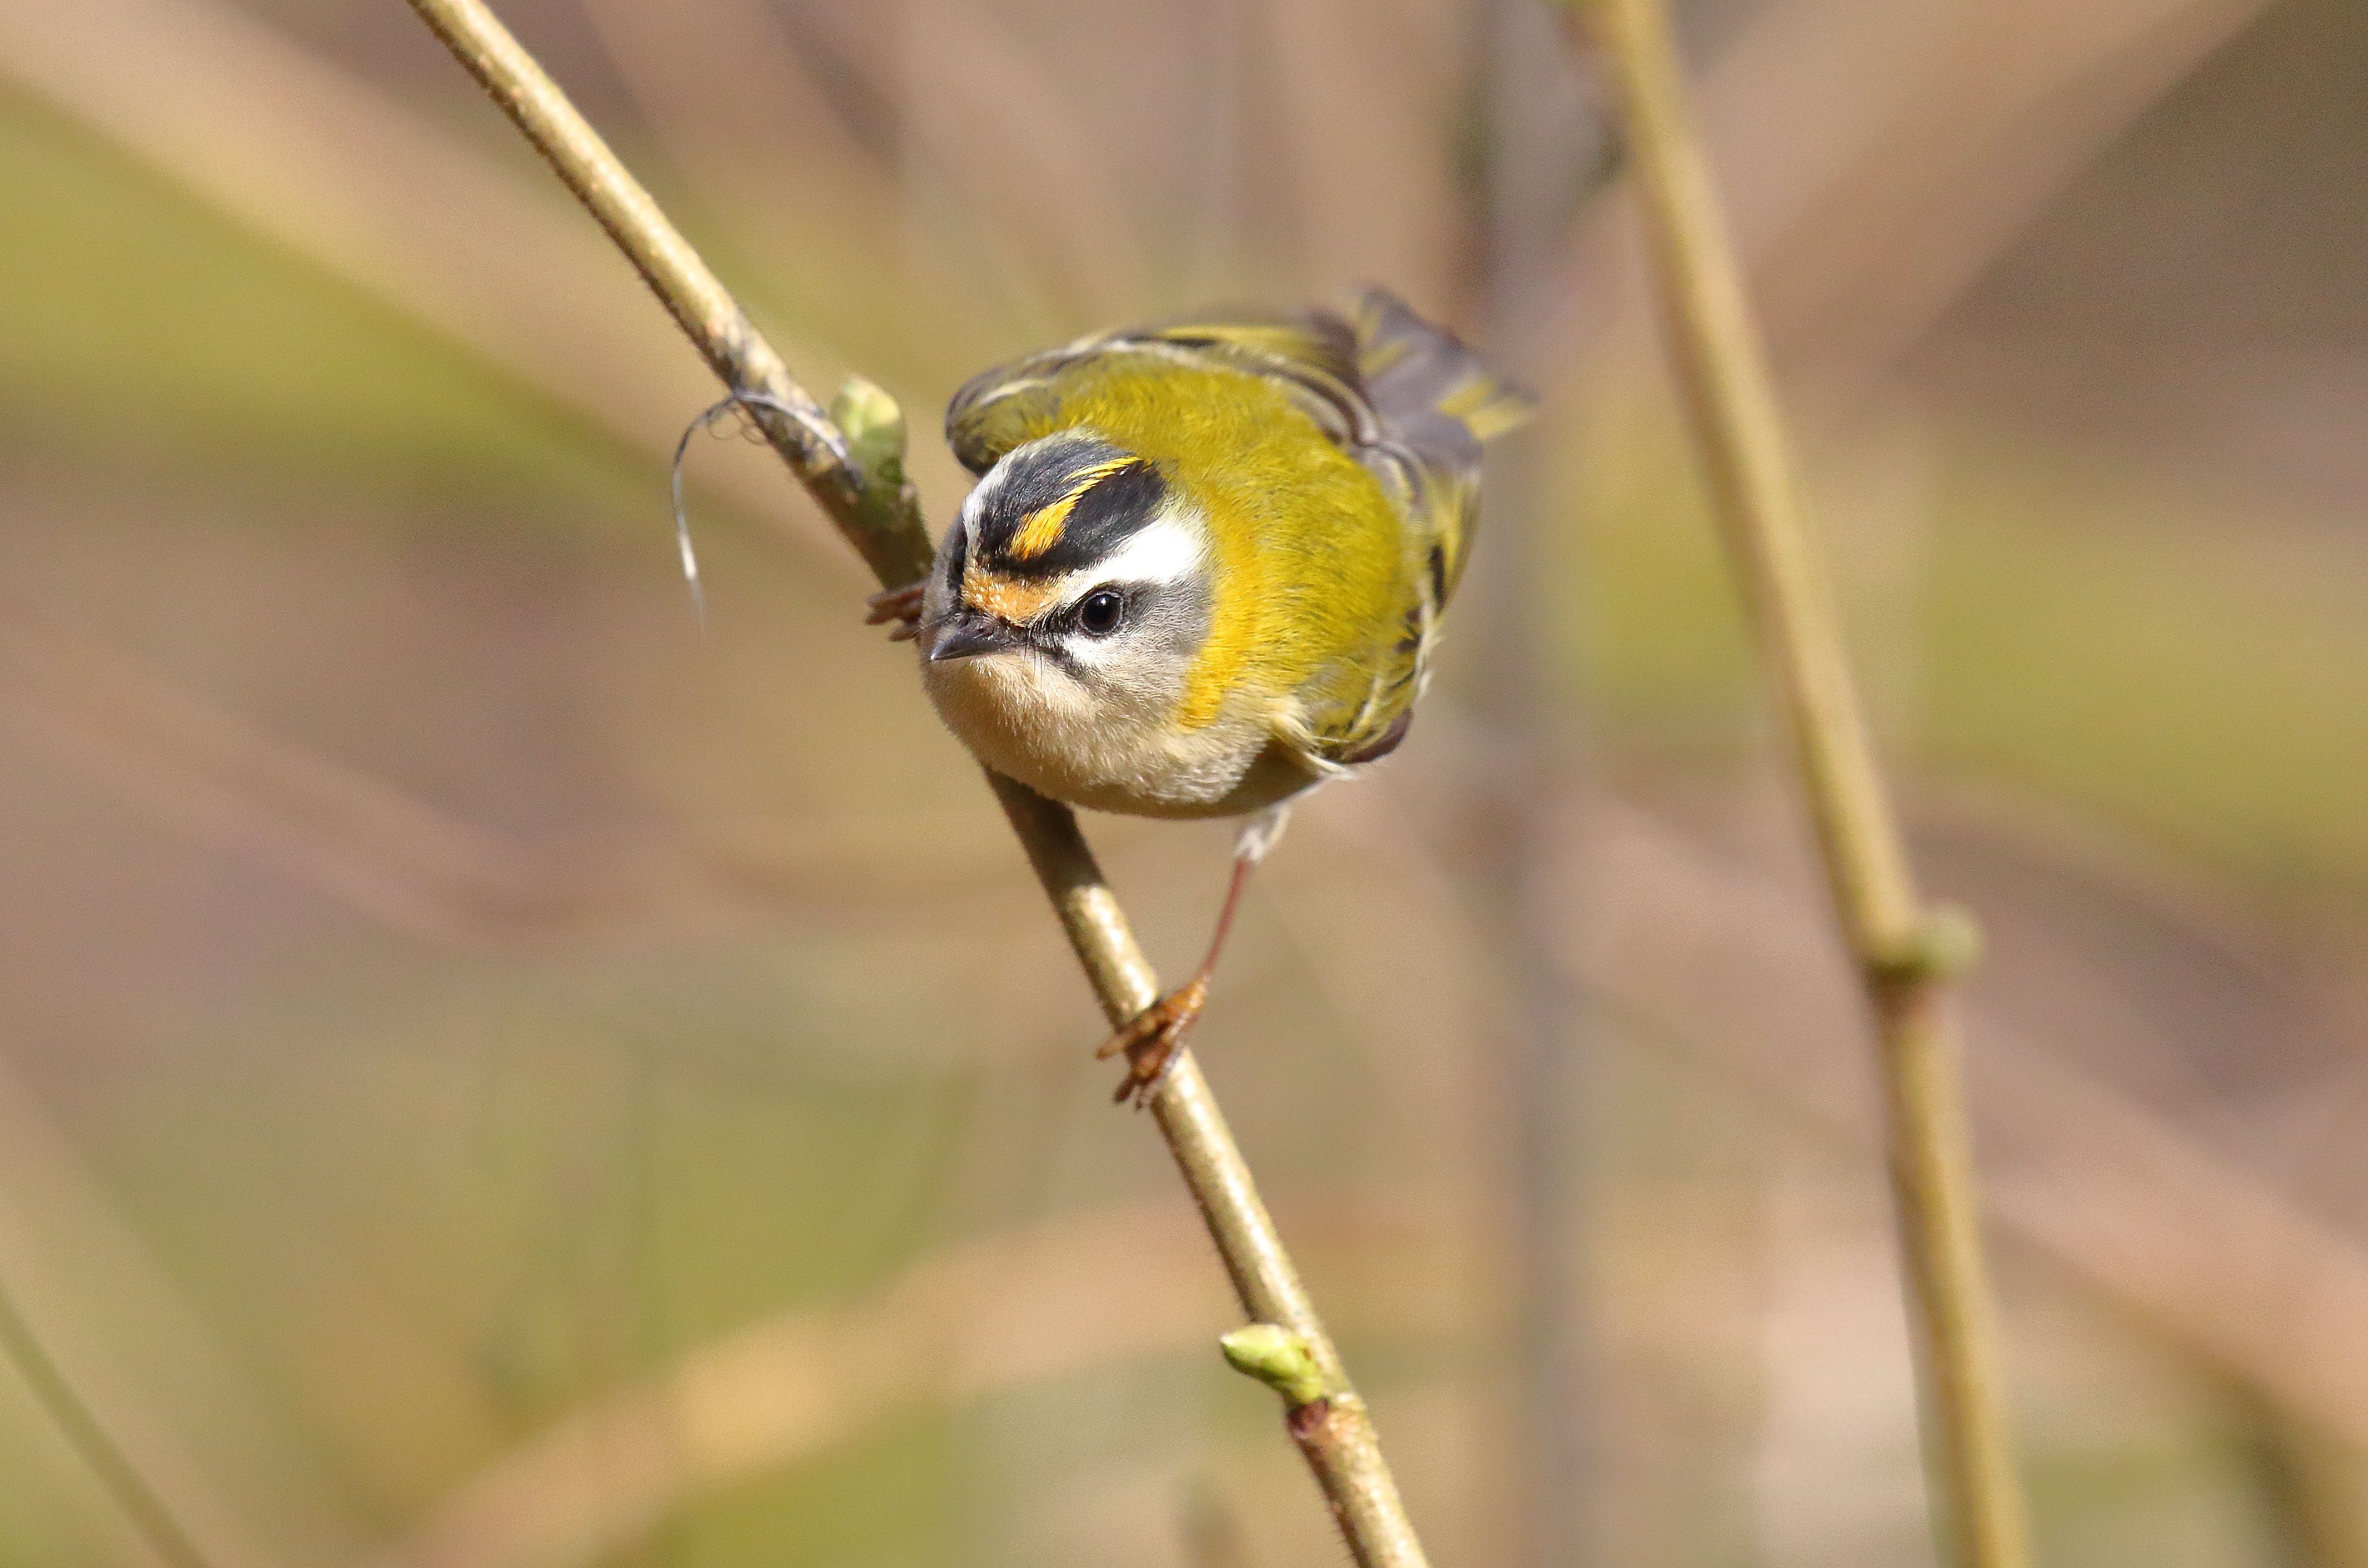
[1202, 570]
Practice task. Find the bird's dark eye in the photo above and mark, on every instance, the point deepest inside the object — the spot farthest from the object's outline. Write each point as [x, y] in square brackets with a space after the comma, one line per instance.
[1100, 614]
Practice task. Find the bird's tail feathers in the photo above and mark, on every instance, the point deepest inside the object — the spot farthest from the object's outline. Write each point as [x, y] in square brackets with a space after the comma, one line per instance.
[1435, 394]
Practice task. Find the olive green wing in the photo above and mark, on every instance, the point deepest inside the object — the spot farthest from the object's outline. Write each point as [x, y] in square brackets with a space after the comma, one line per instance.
[1436, 403]
[1312, 356]
[1007, 406]
[1432, 404]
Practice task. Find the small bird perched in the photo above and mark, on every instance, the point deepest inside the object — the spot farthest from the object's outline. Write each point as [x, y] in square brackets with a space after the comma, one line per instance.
[1202, 570]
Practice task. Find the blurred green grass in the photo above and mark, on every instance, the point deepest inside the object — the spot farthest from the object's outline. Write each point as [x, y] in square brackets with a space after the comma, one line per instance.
[149, 333]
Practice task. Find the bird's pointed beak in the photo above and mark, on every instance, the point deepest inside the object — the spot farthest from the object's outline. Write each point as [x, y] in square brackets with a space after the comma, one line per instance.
[966, 633]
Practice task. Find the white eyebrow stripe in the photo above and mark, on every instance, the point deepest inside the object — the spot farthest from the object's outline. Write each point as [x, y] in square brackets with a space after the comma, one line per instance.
[1166, 550]
[973, 505]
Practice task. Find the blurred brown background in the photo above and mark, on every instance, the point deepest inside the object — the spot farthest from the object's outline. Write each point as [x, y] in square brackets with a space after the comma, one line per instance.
[492, 1075]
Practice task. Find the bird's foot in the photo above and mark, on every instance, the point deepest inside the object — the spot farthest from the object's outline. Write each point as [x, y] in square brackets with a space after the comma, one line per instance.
[902, 606]
[1152, 1039]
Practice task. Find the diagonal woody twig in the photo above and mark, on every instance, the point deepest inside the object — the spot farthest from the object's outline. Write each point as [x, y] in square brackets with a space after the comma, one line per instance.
[1906, 953]
[852, 466]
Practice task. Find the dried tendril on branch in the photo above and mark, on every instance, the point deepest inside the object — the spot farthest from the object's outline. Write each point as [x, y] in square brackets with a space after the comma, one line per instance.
[736, 405]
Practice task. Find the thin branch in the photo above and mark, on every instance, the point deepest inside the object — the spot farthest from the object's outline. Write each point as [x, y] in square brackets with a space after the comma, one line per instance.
[878, 513]
[1905, 953]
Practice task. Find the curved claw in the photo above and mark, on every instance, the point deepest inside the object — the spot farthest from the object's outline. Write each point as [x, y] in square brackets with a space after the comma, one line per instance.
[1152, 1039]
[902, 606]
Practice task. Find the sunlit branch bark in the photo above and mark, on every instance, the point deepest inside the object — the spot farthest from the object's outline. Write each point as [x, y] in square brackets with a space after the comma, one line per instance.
[878, 513]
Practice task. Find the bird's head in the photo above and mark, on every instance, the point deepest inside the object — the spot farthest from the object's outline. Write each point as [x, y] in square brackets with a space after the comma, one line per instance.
[1073, 587]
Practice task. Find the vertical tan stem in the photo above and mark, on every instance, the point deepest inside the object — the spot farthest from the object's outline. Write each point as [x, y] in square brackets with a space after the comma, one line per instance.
[1905, 953]
[881, 517]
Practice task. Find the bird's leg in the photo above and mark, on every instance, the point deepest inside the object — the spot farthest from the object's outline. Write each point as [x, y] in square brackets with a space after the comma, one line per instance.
[902, 606]
[1153, 1039]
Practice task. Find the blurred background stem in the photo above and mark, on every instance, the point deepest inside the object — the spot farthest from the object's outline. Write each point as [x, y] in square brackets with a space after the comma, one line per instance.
[1904, 952]
[1539, 155]
[143, 1505]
